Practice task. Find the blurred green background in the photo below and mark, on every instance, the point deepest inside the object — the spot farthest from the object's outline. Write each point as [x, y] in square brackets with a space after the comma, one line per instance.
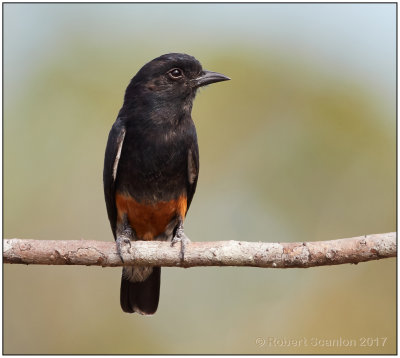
[299, 146]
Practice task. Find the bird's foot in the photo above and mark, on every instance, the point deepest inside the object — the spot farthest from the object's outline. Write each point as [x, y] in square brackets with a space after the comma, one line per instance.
[183, 239]
[123, 246]
[124, 235]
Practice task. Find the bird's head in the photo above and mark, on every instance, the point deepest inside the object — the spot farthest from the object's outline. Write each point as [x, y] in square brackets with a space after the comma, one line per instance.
[171, 79]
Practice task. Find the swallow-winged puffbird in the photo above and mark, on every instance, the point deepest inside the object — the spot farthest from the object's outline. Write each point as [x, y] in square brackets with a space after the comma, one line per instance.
[151, 166]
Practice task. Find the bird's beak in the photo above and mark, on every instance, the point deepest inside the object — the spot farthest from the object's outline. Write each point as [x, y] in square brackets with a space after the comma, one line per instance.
[208, 77]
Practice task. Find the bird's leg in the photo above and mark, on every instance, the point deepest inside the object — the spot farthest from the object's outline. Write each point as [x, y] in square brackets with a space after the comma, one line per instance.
[180, 237]
[124, 236]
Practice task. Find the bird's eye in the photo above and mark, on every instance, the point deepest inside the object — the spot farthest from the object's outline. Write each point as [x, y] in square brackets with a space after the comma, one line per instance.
[175, 73]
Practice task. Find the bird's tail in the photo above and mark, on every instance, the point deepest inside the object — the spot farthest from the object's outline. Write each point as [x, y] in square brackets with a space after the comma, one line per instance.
[140, 289]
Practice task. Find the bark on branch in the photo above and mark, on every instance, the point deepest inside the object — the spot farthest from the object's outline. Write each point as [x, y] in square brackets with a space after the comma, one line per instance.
[221, 253]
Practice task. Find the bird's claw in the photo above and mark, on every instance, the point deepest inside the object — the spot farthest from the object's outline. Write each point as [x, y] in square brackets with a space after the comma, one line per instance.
[183, 239]
[123, 246]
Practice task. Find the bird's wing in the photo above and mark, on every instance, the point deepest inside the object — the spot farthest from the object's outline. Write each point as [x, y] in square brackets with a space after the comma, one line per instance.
[111, 160]
[193, 172]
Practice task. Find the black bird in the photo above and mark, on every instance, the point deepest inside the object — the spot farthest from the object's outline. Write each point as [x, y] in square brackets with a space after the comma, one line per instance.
[151, 166]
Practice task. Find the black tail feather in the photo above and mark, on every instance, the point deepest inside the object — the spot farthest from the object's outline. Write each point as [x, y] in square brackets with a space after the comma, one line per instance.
[142, 296]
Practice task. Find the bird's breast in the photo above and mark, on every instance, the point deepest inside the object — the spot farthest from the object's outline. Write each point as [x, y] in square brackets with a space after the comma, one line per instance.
[153, 164]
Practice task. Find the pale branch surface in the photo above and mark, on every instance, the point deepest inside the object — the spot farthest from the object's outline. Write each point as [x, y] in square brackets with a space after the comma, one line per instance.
[221, 253]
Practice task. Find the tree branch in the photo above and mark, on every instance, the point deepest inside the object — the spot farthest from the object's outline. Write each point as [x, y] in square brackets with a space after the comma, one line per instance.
[221, 253]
